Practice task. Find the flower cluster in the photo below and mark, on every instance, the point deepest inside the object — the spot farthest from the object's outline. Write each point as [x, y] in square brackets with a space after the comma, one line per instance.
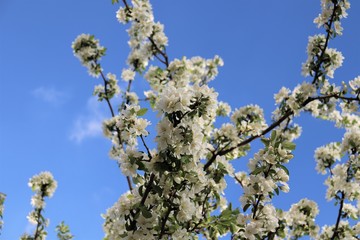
[89, 52]
[126, 127]
[266, 222]
[351, 141]
[343, 231]
[340, 183]
[343, 184]
[332, 12]
[63, 232]
[110, 89]
[147, 38]
[355, 85]
[326, 156]
[321, 62]
[223, 109]
[128, 75]
[43, 185]
[227, 137]
[293, 101]
[179, 186]
[268, 176]
[301, 219]
[249, 120]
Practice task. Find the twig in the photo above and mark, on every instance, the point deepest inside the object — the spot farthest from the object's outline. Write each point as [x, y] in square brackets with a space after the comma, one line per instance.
[38, 213]
[151, 39]
[335, 231]
[148, 188]
[106, 82]
[320, 59]
[261, 195]
[147, 148]
[274, 125]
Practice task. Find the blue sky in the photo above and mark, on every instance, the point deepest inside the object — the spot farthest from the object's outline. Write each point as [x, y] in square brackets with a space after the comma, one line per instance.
[50, 122]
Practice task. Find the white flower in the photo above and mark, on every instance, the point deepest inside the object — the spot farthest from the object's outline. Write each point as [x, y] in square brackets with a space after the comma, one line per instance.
[223, 109]
[281, 95]
[301, 218]
[336, 60]
[121, 15]
[173, 99]
[251, 229]
[132, 97]
[181, 234]
[350, 210]
[226, 164]
[37, 201]
[140, 125]
[351, 140]
[355, 83]
[89, 52]
[127, 75]
[249, 120]
[32, 217]
[43, 182]
[187, 209]
[338, 28]
[326, 156]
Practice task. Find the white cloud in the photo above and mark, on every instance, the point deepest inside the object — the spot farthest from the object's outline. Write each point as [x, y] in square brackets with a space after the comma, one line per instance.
[85, 128]
[89, 124]
[49, 94]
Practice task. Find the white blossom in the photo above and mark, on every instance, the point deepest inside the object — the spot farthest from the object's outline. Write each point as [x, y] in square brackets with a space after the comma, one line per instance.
[127, 75]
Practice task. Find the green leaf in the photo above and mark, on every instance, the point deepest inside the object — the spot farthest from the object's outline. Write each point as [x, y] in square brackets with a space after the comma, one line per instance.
[226, 213]
[277, 191]
[114, 1]
[257, 171]
[265, 141]
[152, 102]
[289, 145]
[281, 233]
[246, 207]
[157, 189]
[142, 112]
[272, 172]
[141, 165]
[273, 136]
[145, 212]
[141, 190]
[284, 168]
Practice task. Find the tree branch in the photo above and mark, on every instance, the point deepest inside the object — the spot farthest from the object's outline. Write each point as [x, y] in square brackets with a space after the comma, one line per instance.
[151, 39]
[276, 124]
[320, 59]
[113, 115]
[289, 112]
[147, 148]
[164, 222]
[261, 195]
[335, 231]
[148, 188]
[38, 214]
